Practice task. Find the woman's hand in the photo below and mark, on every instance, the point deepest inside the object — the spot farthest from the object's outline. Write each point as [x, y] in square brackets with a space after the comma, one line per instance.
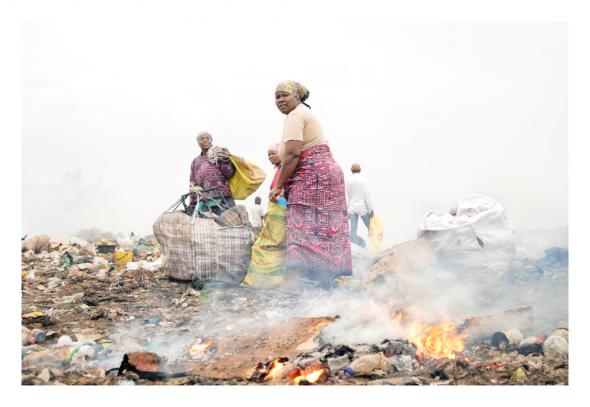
[275, 193]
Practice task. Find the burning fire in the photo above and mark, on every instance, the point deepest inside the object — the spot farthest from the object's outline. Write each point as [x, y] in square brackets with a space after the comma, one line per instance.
[437, 341]
[275, 370]
[279, 369]
[312, 377]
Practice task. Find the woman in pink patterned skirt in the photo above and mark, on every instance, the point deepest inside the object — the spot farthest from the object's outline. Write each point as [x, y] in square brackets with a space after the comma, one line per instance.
[318, 241]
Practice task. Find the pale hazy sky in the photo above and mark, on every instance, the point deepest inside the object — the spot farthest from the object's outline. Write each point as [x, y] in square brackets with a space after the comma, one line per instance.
[432, 111]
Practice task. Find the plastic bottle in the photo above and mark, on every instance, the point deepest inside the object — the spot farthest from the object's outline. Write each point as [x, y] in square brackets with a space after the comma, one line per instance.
[38, 336]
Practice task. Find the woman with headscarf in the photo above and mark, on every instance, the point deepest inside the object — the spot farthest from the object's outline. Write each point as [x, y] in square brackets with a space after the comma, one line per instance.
[318, 243]
[275, 160]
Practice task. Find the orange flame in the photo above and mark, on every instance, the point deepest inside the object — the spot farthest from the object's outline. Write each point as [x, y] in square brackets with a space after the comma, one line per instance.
[437, 341]
[280, 370]
[275, 371]
[199, 348]
[312, 377]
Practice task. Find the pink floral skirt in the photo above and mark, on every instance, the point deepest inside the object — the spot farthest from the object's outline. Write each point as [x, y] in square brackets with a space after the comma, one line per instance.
[318, 237]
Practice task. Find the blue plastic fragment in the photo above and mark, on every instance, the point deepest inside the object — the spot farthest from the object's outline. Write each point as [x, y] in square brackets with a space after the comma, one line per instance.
[40, 337]
[348, 372]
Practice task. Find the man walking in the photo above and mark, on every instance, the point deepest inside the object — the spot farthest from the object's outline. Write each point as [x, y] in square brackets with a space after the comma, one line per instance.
[359, 203]
[255, 214]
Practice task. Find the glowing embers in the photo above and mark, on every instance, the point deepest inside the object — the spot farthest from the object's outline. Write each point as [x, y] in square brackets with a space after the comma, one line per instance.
[201, 350]
[276, 370]
[281, 370]
[310, 376]
[437, 341]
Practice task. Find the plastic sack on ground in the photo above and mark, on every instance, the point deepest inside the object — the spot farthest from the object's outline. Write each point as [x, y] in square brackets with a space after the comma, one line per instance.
[121, 258]
[376, 234]
[477, 239]
[247, 178]
[152, 266]
[203, 250]
[269, 250]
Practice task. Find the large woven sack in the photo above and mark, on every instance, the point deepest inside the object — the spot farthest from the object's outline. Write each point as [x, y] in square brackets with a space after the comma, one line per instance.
[246, 179]
[269, 250]
[203, 250]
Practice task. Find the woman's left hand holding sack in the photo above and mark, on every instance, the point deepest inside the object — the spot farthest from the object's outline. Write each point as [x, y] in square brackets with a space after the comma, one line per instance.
[274, 194]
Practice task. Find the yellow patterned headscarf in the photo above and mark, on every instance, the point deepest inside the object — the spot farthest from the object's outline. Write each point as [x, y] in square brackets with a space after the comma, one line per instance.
[293, 87]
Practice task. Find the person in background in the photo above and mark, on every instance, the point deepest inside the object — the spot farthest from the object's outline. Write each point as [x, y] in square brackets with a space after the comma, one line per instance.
[210, 173]
[318, 242]
[275, 159]
[359, 203]
[255, 214]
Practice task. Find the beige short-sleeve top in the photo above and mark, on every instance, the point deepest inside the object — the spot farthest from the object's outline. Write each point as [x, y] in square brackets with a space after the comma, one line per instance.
[301, 124]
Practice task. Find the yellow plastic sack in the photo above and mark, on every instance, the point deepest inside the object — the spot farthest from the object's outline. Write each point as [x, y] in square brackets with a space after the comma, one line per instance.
[269, 250]
[247, 178]
[121, 258]
[376, 234]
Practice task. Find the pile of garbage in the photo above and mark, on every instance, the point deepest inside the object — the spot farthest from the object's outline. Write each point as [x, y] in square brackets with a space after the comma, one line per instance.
[65, 282]
[106, 312]
[100, 259]
[396, 362]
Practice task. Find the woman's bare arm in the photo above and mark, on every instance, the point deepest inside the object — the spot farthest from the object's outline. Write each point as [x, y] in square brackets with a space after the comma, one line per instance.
[292, 153]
